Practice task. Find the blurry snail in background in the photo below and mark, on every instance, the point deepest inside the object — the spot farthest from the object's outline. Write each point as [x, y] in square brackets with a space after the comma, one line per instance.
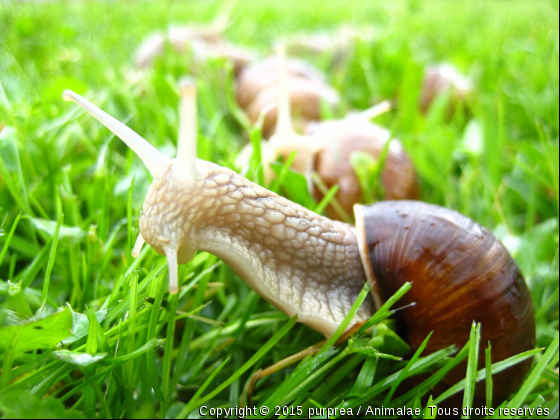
[258, 92]
[338, 44]
[204, 41]
[313, 267]
[333, 162]
[441, 78]
[326, 148]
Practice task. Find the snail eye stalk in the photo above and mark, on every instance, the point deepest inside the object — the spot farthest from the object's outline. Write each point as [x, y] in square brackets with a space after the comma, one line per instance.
[152, 158]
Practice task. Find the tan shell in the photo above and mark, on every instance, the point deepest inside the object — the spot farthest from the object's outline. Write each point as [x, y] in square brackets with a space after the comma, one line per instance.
[204, 41]
[438, 79]
[305, 102]
[180, 38]
[258, 91]
[337, 44]
[334, 167]
[239, 56]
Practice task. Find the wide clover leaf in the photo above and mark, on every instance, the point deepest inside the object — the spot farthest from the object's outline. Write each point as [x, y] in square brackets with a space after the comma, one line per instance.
[36, 333]
[77, 358]
[24, 405]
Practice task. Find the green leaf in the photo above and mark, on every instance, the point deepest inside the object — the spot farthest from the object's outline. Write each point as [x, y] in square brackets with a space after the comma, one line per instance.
[80, 325]
[473, 138]
[294, 185]
[366, 376]
[73, 234]
[24, 405]
[42, 333]
[371, 351]
[489, 379]
[405, 370]
[8, 149]
[77, 358]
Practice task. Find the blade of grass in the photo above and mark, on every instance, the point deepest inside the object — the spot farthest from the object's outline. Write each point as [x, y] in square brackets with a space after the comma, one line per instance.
[50, 263]
[91, 348]
[131, 346]
[481, 374]
[347, 319]
[256, 357]
[489, 379]
[404, 371]
[431, 409]
[535, 375]
[384, 311]
[472, 365]
[9, 238]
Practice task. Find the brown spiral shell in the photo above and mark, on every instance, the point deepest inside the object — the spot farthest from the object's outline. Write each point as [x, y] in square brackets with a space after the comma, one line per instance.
[258, 90]
[334, 166]
[461, 273]
[441, 78]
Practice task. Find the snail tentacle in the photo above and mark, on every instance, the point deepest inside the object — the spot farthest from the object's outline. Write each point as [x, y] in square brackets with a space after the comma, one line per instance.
[186, 144]
[152, 158]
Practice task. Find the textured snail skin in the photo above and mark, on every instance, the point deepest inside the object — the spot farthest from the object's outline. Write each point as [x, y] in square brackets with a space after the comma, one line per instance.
[461, 273]
[297, 260]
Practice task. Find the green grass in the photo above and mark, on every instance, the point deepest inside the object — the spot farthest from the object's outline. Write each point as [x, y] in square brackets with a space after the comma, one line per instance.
[70, 196]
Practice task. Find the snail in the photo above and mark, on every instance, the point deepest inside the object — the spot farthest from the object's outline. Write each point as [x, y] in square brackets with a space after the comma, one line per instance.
[327, 148]
[179, 37]
[258, 91]
[337, 45]
[355, 133]
[204, 41]
[309, 265]
[439, 79]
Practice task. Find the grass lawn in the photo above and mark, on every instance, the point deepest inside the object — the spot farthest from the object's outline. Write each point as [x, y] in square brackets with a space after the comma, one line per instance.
[71, 194]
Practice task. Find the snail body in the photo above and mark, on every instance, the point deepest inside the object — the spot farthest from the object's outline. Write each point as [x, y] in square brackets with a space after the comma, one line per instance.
[312, 266]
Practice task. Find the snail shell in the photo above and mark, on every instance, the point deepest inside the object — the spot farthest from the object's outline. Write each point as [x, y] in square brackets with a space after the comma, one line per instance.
[239, 56]
[204, 41]
[460, 272]
[338, 44]
[179, 37]
[439, 79]
[258, 90]
[334, 166]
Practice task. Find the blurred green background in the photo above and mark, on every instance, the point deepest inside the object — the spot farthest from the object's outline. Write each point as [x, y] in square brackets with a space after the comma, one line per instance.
[495, 159]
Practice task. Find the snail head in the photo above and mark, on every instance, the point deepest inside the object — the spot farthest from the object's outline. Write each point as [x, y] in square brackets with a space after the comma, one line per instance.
[180, 194]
